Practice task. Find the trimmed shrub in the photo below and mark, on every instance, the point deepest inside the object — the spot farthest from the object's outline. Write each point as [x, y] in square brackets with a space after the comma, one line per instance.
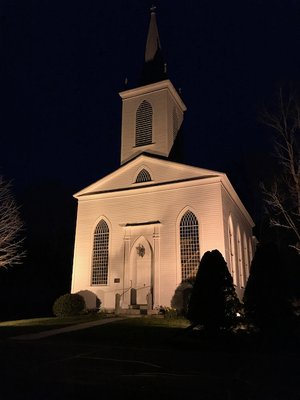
[181, 297]
[68, 305]
[92, 301]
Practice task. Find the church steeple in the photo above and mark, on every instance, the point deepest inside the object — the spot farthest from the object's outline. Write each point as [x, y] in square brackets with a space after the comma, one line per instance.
[154, 69]
[152, 113]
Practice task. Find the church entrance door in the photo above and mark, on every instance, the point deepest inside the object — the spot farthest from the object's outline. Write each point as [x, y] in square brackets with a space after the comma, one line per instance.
[141, 269]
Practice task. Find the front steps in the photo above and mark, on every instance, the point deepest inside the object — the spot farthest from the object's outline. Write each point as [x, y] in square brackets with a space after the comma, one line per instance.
[138, 309]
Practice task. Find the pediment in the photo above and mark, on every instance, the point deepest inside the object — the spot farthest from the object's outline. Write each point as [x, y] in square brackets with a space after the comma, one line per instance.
[151, 171]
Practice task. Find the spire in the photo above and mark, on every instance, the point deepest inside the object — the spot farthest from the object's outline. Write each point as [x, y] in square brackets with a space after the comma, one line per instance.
[154, 69]
[153, 43]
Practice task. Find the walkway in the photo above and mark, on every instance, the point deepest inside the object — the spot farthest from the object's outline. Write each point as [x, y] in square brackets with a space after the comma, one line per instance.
[72, 328]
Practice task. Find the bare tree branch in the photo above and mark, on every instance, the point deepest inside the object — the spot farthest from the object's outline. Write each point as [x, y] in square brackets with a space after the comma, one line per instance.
[11, 226]
[282, 199]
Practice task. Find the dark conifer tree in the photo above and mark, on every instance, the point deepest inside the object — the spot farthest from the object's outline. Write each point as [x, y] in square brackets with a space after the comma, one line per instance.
[272, 286]
[214, 303]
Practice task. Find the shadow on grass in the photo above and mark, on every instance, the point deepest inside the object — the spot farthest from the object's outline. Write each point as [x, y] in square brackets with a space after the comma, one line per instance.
[151, 332]
[174, 333]
[136, 332]
[237, 342]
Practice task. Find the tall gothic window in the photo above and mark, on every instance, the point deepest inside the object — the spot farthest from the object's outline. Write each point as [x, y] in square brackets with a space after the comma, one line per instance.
[143, 127]
[250, 249]
[232, 251]
[240, 258]
[246, 256]
[189, 245]
[143, 176]
[100, 254]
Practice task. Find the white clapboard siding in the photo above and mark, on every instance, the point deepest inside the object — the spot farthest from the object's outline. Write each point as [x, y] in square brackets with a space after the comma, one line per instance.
[206, 198]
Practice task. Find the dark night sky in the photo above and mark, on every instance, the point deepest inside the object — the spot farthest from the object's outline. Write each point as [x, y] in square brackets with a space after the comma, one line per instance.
[64, 62]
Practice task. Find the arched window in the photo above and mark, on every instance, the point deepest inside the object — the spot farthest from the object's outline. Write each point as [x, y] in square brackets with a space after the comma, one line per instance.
[246, 256]
[232, 262]
[189, 245]
[100, 254]
[240, 258]
[143, 127]
[250, 249]
[143, 176]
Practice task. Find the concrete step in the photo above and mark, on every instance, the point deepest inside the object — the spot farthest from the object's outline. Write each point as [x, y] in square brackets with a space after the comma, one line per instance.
[138, 307]
[130, 311]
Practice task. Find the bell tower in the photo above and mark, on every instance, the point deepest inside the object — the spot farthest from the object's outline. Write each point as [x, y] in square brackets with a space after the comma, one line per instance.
[153, 112]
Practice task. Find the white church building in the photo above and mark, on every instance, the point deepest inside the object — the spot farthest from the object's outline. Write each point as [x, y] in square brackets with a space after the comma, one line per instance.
[142, 230]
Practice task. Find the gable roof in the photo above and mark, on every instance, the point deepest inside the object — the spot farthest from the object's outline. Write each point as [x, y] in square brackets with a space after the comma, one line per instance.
[161, 171]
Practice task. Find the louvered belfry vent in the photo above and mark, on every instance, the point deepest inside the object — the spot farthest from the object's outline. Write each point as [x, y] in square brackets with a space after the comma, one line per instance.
[143, 129]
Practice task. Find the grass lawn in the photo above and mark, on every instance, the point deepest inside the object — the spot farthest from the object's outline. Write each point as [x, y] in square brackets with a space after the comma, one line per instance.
[23, 326]
[136, 331]
[145, 331]
[153, 332]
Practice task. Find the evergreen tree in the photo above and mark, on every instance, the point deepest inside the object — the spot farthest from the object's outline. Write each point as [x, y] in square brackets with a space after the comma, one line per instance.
[214, 303]
[273, 285]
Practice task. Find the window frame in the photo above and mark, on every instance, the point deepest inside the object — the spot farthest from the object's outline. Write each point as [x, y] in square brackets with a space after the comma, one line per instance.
[191, 231]
[101, 254]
